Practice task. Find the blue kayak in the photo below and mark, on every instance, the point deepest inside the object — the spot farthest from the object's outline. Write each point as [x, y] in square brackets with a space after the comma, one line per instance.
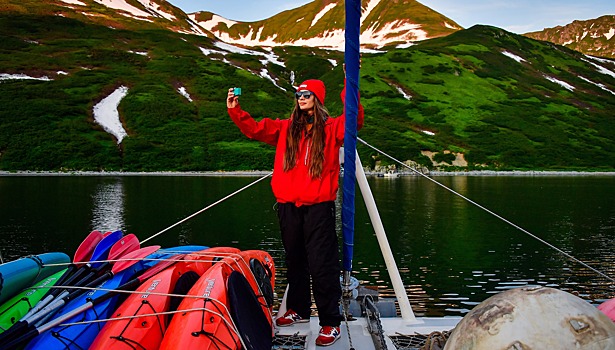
[24, 272]
[80, 336]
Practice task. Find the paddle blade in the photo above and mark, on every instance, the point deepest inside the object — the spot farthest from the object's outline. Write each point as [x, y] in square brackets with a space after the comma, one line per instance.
[133, 257]
[126, 245]
[101, 252]
[86, 248]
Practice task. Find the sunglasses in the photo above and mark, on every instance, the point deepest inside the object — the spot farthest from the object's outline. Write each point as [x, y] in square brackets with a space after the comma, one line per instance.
[306, 94]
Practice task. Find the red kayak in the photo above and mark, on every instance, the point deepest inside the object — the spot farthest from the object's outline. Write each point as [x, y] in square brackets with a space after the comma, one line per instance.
[142, 319]
[229, 307]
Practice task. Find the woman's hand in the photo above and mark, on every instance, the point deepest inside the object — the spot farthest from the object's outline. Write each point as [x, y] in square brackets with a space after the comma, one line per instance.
[232, 101]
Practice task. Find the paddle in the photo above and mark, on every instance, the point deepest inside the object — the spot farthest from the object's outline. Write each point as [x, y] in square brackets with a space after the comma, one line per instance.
[130, 285]
[127, 244]
[126, 262]
[86, 248]
[101, 252]
[82, 255]
[126, 247]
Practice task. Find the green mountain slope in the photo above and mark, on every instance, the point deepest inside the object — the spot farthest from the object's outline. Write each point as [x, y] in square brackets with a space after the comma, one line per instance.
[592, 37]
[502, 101]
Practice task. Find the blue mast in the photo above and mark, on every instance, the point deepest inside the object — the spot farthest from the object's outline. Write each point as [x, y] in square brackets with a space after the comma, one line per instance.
[351, 108]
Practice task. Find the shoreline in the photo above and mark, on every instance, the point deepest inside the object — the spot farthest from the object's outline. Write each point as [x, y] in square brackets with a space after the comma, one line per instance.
[265, 173]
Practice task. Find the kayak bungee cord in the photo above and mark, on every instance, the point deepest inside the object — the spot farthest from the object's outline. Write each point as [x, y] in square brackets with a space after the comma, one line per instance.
[240, 263]
[215, 255]
[491, 212]
[208, 207]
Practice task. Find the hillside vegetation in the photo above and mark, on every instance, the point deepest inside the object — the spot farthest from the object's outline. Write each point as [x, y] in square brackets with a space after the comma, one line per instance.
[501, 100]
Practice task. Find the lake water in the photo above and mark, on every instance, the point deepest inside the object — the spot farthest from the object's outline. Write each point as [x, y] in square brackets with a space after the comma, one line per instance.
[451, 254]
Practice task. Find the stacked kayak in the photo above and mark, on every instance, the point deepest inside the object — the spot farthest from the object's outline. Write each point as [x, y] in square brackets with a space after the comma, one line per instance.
[121, 296]
[15, 308]
[141, 321]
[207, 320]
[22, 273]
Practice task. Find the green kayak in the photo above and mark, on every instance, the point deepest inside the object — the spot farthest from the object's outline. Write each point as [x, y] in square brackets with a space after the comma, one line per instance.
[15, 308]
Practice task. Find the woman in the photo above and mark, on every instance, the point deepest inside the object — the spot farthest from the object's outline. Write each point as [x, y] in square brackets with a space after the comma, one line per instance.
[305, 182]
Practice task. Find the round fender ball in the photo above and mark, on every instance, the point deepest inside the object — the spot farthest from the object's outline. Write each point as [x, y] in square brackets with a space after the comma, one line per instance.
[533, 318]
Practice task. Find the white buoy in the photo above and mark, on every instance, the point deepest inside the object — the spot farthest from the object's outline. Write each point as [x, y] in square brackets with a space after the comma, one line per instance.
[533, 318]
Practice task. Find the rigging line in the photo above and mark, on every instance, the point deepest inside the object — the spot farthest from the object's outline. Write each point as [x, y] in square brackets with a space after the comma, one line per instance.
[491, 212]
[207, 207]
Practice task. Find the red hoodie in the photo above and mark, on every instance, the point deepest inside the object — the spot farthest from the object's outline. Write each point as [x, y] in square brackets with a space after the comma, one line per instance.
[296, 185]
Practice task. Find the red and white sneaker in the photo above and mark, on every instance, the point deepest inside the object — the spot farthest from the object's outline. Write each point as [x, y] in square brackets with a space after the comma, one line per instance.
[328, 335]
[290, 318]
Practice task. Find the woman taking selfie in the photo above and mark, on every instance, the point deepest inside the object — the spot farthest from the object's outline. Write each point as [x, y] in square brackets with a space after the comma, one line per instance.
[304, 183]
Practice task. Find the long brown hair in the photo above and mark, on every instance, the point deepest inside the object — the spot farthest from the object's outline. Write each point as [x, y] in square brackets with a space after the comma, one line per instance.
[299, 120]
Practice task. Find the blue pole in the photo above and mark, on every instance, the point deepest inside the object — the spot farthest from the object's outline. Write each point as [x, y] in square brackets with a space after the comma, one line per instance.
[351, 108]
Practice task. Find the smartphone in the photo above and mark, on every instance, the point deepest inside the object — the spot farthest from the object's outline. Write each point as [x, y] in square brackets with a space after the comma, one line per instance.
[237, 91]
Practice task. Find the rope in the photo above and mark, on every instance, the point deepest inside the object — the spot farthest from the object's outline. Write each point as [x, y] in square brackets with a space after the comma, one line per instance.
[346, 307]
[208, 207]
[158, 259]
[491, 212]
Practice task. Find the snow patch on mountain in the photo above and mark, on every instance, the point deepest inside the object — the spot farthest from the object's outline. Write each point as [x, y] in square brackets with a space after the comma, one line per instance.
[182, 91]
[405, 32]
[107, 115]
[267, 57]
[368, 9]
[74, 2]
[450, 26]
[157, 10]
[600, 68]
[602, 86]
[124, 6]
[402, 92]
[5, 76]
[214, 21]
[513, 56]
[560, 82]
[323, 12]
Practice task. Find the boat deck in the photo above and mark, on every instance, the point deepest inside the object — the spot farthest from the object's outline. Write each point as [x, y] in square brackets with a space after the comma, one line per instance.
[399, 334]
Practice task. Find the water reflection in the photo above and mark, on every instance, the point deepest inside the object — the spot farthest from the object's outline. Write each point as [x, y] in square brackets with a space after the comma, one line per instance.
[108, 206]
[451, 255]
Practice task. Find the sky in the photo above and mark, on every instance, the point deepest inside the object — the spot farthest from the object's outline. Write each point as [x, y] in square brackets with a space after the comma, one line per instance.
[517, 16]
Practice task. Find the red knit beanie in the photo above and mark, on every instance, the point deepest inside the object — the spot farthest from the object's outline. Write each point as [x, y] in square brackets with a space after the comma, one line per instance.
[315, 86]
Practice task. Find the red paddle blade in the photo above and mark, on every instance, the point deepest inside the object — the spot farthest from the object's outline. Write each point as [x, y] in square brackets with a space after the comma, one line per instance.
[132, 258]
[127, 244]
[86, 248]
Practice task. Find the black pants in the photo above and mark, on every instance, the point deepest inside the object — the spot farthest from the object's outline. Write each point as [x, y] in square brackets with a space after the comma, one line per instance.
[310, 242]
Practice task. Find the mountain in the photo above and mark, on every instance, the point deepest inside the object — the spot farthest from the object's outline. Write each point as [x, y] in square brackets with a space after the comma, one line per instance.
[593, 37]
[479, 98]
[119, 14]
[321, 24]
